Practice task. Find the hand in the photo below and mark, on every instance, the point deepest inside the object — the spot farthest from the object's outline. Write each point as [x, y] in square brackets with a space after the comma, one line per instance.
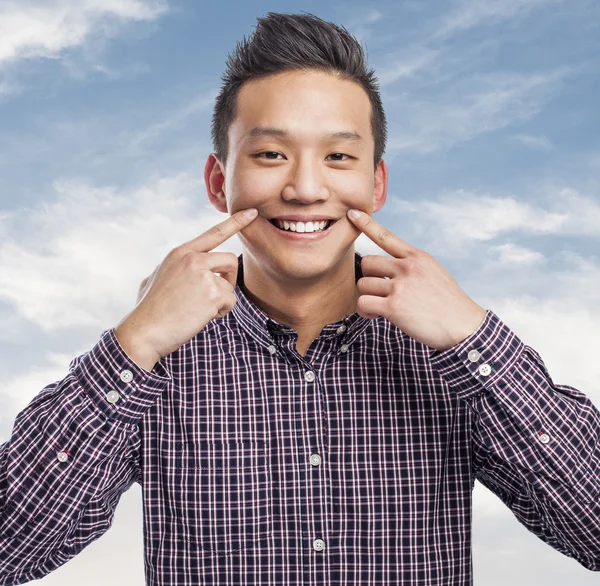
[420, 297]
[183, 294]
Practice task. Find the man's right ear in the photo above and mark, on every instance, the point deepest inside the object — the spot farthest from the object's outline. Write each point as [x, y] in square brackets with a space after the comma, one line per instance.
[214, 177]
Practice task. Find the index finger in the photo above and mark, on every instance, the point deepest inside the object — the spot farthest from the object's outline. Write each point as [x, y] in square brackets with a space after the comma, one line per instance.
[384, 238]
[223, 231]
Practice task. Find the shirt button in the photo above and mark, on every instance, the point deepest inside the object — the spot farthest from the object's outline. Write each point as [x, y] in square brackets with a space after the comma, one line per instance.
[112, 396]
[344, 347]
[474, 356]
[309, 376]
[126, 376]
[341, 329]
[315, 459]
[318, 545]
[62, 456]
[272, 349]
[544, 438]
[485, 370]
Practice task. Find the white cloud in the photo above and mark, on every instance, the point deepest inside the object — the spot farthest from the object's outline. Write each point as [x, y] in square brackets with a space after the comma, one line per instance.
[406, 65]
[477, 105]
[471, 13]
[462, 218]
[513, 254]
[7, 89]
[360, 24]
[535, 142]
[174, 120]
[77, 262]
[583, 212]
[22, 388]
[33, 28]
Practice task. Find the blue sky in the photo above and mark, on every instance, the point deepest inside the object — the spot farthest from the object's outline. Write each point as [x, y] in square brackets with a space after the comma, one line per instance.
[494, 160]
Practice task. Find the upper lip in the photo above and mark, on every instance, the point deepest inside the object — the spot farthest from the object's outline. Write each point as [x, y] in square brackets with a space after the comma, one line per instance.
[311, 218]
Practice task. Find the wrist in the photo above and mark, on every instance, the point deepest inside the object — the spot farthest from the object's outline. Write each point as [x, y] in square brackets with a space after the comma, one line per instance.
[135, 346]
[474, 324]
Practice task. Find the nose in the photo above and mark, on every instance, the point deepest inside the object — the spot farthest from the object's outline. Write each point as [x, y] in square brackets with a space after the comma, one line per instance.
[307, 181]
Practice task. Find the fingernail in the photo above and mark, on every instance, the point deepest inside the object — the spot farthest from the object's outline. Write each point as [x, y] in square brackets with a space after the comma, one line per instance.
[355, 214]
[251, 213]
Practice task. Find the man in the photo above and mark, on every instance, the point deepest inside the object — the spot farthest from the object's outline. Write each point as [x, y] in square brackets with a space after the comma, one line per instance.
[300, 414]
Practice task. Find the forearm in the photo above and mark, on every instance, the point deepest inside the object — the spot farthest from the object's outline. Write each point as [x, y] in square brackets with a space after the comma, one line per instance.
[72, 450]
[535, 443]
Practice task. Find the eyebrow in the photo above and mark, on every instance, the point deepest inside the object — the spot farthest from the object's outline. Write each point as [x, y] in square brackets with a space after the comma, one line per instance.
[259, 131]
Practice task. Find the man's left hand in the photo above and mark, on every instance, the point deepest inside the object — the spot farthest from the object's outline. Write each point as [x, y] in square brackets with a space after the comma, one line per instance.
[420, 297]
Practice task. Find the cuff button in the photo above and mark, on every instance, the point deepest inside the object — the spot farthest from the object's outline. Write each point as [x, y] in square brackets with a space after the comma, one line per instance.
[112, 396]
[485, 370]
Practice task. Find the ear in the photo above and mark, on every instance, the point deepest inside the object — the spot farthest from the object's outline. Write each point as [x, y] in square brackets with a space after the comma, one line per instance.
[214, 177]
[380, 186]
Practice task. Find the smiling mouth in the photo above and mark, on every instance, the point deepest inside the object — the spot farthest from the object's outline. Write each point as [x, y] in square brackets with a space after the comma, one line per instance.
[280, 226]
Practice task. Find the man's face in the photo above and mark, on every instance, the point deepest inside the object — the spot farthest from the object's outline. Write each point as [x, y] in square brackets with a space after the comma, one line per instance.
[283, 161]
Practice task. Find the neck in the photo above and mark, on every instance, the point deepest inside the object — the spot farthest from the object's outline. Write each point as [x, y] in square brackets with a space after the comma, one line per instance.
[308, 305]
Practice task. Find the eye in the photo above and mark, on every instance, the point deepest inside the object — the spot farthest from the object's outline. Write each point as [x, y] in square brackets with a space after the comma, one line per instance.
[260, 155]
[340, 155]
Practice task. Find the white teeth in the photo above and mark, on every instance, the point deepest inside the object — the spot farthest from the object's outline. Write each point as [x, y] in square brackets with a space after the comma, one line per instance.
[301, 226]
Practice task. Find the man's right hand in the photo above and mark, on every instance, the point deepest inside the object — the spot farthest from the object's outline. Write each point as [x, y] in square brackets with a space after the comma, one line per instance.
[182, 295]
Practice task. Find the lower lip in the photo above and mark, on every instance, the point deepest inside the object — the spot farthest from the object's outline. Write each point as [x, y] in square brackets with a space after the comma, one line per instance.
[303, 235]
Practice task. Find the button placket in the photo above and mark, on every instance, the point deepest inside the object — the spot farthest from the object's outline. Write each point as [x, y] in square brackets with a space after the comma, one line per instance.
[321, 505]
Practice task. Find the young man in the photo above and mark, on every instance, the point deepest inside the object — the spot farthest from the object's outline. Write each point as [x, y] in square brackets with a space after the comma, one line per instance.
[300, 414]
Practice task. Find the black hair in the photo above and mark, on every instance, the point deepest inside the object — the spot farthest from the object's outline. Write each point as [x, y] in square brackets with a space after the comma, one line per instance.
[287, 42]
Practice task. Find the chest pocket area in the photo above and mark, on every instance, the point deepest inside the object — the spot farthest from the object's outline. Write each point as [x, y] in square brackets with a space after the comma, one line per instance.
[221, 494]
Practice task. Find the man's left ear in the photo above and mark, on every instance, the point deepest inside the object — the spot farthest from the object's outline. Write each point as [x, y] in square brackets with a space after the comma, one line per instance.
[380, 186]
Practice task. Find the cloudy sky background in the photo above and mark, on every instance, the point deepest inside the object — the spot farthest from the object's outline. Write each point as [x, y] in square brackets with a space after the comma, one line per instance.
[494, 159]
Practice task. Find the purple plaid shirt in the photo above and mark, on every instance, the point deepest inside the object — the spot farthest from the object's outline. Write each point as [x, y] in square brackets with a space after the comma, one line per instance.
[353, 465]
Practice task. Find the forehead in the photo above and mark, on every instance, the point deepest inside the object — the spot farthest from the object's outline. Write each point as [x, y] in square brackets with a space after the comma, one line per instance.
[304, 103]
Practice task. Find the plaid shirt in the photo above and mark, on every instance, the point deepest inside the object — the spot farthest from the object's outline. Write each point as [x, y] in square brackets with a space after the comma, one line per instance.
[353, 465]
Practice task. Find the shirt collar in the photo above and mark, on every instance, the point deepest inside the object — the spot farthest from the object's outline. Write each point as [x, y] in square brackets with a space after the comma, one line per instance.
[263, 328]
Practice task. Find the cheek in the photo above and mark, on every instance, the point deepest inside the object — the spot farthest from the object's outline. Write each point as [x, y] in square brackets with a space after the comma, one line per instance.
[252, 187]
[355, 188]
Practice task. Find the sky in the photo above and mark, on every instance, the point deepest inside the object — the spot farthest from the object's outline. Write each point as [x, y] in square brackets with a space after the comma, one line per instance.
[494, 169]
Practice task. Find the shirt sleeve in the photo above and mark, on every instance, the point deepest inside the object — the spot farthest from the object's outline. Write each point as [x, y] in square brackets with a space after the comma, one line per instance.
[535, 443]
[74, 450]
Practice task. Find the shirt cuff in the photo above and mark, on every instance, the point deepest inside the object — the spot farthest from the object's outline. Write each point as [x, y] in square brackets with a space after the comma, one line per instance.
[481, 360]
[119, 388]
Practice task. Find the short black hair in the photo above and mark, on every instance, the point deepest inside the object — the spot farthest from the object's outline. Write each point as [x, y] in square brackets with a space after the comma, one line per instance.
[287, 42]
